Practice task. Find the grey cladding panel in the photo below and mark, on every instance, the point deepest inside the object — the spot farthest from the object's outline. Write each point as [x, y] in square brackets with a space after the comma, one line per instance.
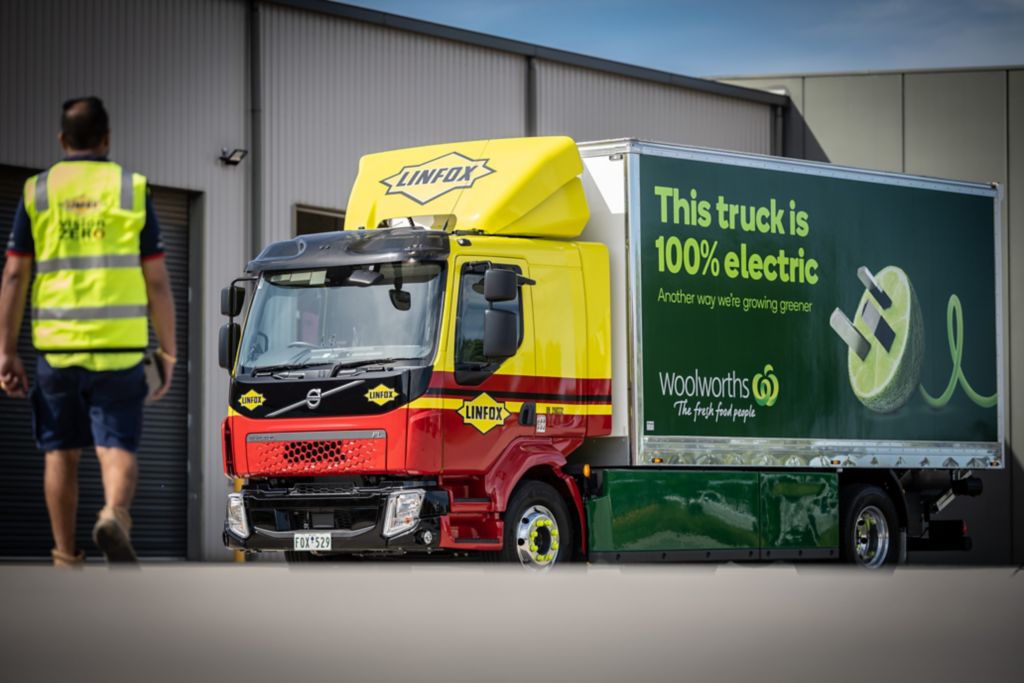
[856, 120]
[1015, 209]
[335, 89]
[590, 105]
[956, 125]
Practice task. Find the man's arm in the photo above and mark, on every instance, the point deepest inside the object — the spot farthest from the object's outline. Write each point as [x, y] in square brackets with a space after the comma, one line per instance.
[161, 313]
[13, 289]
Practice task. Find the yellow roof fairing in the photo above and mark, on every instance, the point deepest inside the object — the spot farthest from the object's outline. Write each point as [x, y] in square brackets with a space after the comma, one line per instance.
[526, 187]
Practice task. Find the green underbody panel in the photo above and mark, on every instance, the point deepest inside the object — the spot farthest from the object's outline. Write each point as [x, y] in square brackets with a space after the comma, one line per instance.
[799, 510]
[679, 510]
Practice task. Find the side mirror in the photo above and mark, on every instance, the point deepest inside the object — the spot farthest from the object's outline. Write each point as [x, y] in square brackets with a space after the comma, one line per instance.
[231, 299]
[501, 333]
[227, 345]
[501, 285]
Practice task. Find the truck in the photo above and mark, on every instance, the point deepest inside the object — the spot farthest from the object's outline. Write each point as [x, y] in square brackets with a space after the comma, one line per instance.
[539, 352]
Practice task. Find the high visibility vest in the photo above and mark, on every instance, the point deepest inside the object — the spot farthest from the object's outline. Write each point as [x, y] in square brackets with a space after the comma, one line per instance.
[89, 293]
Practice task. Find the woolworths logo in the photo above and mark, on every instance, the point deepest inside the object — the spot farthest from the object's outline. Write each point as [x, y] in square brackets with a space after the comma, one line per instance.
[766, 387]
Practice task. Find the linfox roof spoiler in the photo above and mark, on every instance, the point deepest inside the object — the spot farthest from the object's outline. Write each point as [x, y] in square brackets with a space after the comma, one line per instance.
[525, 187]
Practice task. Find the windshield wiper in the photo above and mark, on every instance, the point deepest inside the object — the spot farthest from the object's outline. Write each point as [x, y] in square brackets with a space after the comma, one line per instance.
[341, 365]
[284, 367]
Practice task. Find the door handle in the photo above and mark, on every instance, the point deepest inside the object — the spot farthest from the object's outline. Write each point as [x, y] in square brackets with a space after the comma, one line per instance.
[528, 414]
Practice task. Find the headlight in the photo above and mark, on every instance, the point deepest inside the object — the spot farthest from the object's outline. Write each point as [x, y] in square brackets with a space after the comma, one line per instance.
[403, 512]
[237, 522]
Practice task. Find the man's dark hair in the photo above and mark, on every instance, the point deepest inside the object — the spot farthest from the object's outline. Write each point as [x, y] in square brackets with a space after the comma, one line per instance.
[84, 122]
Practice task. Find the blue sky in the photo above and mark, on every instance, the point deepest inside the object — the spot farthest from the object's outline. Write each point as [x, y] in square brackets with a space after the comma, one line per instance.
[739, 37]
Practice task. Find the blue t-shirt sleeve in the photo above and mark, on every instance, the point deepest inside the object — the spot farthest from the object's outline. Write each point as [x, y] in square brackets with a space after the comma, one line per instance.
[150, 244]
[21, 242]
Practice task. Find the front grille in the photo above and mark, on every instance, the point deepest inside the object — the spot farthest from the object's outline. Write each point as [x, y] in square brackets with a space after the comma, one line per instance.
[354, 515]
[315, 457]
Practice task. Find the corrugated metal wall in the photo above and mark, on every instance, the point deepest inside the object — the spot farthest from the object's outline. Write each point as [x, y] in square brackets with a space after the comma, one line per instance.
[173, 75]
[334, 90]
[590, 105]
[968, 125]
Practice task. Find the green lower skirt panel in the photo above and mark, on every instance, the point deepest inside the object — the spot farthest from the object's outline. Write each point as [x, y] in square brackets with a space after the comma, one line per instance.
[644, 510]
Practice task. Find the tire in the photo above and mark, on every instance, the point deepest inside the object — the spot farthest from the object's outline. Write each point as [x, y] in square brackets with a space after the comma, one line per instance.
[870, 527]
[538, 528]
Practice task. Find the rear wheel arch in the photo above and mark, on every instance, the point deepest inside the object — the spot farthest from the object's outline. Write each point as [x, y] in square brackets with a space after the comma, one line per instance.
[885, 480]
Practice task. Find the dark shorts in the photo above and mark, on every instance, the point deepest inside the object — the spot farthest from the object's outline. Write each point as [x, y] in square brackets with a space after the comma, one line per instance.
[74, 407]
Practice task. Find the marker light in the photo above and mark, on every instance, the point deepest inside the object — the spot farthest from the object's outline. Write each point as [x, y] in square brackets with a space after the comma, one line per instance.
[403, 512]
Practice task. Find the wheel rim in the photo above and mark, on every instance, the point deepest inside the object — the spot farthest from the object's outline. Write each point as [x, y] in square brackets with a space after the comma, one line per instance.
[537, 538]
[871, 537]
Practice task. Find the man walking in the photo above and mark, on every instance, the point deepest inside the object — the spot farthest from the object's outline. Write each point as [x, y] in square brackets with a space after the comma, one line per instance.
[90, 228]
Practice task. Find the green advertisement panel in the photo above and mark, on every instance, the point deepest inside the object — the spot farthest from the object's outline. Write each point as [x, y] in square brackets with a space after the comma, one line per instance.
[793, 305]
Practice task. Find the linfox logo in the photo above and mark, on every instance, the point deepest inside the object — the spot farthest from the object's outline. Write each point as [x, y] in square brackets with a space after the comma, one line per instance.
[80, 205]
[423, 183]
[484, 413]
[251, 400]
[381, 394]
[766, 387]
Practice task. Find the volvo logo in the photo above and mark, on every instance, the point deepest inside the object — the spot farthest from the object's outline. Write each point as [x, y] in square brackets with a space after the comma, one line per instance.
[313, 399]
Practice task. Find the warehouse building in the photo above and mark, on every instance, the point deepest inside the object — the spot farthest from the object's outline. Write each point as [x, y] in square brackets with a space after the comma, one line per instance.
[248, 118]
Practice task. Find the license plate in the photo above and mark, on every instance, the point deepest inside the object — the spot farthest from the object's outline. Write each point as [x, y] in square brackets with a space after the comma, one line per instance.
[312, 541]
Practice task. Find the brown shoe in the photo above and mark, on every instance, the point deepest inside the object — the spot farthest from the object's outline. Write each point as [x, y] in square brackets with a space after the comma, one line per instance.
[112, 535]
[65, 561]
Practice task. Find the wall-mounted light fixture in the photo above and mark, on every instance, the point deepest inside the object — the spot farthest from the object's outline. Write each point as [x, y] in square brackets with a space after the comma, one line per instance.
[232, 157]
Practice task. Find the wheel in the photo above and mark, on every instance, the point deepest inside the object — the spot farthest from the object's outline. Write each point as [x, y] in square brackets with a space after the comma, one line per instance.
[870, 528]
[538, 528]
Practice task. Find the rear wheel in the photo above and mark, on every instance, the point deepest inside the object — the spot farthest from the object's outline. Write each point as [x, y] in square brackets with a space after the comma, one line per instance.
[538, 528]
[870, 527]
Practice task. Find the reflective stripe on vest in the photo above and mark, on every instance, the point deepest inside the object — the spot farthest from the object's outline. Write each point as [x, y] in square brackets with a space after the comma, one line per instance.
[87, 262]
[89, 292]
[89, 313]
[41, 200]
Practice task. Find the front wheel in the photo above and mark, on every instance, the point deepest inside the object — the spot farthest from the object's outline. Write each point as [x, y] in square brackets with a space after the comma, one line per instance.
[870, 527]
[538, 528]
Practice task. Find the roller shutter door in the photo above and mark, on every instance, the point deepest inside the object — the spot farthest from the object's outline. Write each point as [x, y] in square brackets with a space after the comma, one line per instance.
[160, 508]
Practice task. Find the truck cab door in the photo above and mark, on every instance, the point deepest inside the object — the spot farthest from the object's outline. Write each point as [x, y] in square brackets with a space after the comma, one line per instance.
[492, 392]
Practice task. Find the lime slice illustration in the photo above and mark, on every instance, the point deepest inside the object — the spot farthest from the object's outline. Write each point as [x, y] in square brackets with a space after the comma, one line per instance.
[885, 379]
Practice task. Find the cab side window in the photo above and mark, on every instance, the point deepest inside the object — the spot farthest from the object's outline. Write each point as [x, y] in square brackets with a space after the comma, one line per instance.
[471, 367]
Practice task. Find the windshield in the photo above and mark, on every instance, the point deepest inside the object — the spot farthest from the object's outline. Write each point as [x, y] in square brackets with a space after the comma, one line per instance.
[350, 315]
